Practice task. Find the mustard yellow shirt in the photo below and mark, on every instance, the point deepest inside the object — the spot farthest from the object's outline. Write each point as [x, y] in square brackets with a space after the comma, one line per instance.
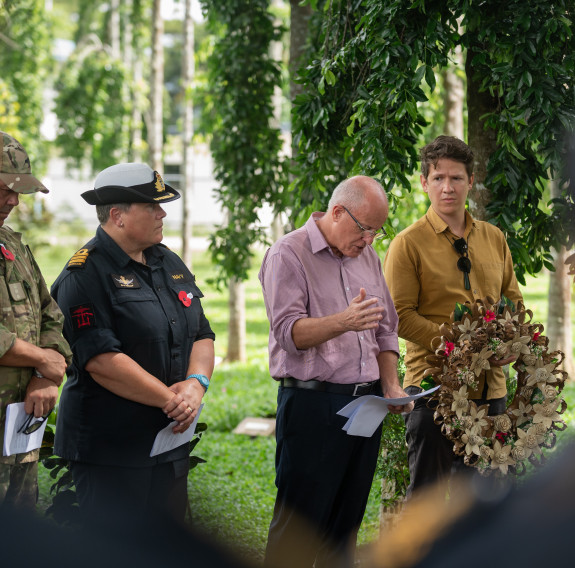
[422, 275]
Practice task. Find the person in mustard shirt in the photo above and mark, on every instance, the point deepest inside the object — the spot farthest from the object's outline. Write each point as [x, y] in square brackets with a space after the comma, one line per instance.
[445, 257]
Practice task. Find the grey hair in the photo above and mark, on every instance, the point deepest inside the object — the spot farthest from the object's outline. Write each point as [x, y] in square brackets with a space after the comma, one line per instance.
[103, 211]
[351, 193]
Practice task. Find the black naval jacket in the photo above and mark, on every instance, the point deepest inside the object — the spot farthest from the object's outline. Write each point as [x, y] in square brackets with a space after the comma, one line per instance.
[153, 314]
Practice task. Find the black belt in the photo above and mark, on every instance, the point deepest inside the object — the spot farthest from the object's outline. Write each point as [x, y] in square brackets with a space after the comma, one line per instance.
[354, 389]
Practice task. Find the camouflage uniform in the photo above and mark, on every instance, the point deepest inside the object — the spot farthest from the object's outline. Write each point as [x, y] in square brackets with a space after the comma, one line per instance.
[29, 313]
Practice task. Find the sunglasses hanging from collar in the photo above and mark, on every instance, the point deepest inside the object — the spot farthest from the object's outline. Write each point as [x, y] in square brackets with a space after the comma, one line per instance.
[463, 263]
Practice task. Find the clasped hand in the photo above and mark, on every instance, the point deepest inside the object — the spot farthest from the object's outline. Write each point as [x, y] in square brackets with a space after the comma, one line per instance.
[53, 366]
[184, 405]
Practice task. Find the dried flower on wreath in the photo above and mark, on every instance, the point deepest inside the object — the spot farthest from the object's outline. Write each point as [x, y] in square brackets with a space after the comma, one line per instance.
[478, 333]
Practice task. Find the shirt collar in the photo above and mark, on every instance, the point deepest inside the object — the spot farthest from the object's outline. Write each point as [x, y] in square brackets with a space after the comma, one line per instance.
[316, 238]
[440, 226]
[119, 257]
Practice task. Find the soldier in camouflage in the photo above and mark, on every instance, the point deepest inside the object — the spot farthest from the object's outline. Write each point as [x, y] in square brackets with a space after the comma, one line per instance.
[33, 352]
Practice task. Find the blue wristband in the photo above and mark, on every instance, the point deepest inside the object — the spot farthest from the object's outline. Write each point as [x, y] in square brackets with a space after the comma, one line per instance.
[203, 380]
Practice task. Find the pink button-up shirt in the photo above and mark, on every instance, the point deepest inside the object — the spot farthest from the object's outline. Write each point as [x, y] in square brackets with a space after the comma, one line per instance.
[301, 277]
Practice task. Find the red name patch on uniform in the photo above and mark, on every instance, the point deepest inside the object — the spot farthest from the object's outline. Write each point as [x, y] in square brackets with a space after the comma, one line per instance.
[82, 316]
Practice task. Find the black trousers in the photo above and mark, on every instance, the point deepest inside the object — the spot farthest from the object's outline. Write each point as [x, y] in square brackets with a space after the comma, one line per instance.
[430, 453]
[323, 477]
[131, 492]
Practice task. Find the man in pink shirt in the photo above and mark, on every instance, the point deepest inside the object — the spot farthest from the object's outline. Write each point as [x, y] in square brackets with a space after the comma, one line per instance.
[333, 337]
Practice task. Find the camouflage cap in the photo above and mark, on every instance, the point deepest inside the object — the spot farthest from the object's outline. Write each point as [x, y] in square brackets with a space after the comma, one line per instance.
[15, 167]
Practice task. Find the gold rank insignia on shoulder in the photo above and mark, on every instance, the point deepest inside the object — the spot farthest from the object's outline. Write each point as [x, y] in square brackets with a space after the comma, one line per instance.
[125, 281]
[79, 258]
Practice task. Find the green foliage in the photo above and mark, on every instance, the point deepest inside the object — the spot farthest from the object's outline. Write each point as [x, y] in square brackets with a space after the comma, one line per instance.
[91, 106]
[89, 19]
[392, 465]
[359, 110]
[64, 506]
[523, 53]
[97, 94]
[233, 500]
[33, 220]
[8, 110]
[460, 310]
[249, 383]
[241, 81]
[26, 64]
[368, 79]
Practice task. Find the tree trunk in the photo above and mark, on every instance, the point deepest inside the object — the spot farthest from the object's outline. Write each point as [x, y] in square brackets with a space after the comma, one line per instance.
[187, 187]
[136, 122]
[276, 49]
[299, 28]
[277, 228]
[237, 323]
[128, 35]
[132, 60]
[114, 28]
[559, 304]
[454, 96]
[155, 125]
[389, 515]
[483, 142]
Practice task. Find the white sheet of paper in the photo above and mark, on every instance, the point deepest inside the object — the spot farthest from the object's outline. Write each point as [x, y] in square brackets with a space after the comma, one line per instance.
[166, 440]
[367, 412]
[15, 443]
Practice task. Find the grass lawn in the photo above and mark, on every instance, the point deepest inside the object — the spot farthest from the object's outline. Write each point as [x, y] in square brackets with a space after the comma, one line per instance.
[232, 495]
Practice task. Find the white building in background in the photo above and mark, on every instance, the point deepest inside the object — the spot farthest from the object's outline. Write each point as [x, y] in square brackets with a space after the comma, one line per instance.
[66, 190]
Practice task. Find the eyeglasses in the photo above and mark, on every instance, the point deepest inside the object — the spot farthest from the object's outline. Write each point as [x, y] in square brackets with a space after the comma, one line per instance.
[463, 263]
[372, 233]
[32, 423]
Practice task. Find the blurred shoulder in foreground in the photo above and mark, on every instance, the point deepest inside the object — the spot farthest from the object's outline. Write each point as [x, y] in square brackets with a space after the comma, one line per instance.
[486, 522]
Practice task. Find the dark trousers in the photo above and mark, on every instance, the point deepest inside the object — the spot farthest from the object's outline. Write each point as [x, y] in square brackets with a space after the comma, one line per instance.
[429, 452]
[132, 492]
[323, 478]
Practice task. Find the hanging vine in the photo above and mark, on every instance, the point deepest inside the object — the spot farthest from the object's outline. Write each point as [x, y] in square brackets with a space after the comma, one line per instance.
[245, 148]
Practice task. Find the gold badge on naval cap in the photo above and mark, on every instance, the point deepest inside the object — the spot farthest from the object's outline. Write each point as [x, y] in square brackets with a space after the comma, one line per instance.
[160, 186]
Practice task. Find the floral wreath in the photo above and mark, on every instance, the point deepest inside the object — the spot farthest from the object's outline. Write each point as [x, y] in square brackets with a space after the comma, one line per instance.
[502, 443]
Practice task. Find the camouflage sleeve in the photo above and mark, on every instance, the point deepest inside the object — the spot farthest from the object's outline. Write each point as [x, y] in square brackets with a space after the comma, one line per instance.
[52, 318]
[7, 337]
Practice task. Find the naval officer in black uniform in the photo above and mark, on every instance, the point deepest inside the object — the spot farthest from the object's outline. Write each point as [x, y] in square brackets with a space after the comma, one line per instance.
[143, 351]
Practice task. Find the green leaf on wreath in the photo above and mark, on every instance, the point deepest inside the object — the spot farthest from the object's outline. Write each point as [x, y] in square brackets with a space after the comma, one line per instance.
[505, 301]
[427, 383]
[460, 310]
